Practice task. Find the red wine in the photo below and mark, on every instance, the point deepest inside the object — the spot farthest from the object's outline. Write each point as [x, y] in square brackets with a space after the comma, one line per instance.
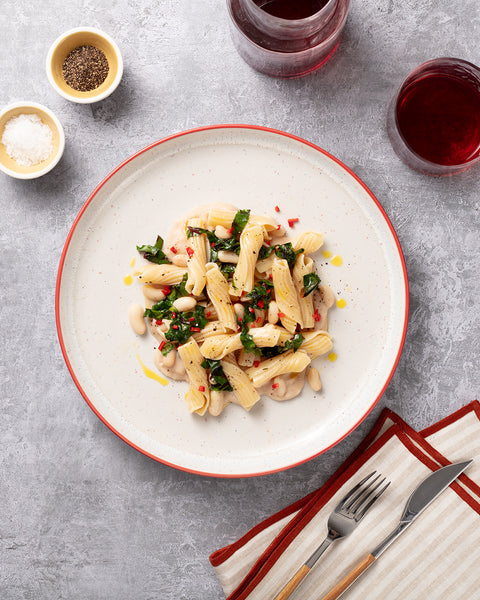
[291, 9]
[438, 116]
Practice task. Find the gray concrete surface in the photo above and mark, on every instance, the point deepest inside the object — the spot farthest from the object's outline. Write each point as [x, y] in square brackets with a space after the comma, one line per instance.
[83, 515]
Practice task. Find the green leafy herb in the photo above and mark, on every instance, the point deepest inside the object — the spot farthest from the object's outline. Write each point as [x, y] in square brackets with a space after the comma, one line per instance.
[217, 379]
[261, 294]
[247, 340]
[154, 253]
[212, 238]
[164, 308]
[227, 269]
[183, 325]
[293, 344]
[167, 348]
[239, 222]
[287, 252]
[311, 281]
[264, 252]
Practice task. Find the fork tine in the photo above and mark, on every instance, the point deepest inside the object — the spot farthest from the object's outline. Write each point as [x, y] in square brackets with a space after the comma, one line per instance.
[367, 492]
[353, 491]
[368, 506]
[358, 496]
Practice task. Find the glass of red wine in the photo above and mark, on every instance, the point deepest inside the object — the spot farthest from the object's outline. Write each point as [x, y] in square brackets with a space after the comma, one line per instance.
[287, 38]
[433, 120]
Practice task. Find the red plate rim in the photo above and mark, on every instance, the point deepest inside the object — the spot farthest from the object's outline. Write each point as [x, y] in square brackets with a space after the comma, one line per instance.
[166, 139]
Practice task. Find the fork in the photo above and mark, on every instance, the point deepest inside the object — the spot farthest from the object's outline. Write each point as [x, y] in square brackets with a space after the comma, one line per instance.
[342, 521]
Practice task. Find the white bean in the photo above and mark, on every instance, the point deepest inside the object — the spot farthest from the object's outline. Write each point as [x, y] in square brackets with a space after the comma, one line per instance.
[152, 293]
[227, 257]
[273, 312]
[281, 386]
[313, 378]
[135, 316]
[239, 310]
[185, 304]
[180, 260]
[169, 360]
[216, 403]
[327, 296]
[222, 233]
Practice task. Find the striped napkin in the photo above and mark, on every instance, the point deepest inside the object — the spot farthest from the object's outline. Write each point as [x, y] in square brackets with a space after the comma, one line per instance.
[436, 558]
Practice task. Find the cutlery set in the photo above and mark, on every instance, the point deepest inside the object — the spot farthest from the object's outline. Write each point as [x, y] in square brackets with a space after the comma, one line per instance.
[348, 513]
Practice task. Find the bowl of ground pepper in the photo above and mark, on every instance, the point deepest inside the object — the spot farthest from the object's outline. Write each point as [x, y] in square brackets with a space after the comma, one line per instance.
[84, 65]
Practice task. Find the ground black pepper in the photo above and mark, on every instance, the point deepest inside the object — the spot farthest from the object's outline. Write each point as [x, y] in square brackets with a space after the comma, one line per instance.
[85, 68]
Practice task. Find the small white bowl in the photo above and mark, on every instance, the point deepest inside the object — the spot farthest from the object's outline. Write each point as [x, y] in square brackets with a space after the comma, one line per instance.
[7, 164]
[68, 41]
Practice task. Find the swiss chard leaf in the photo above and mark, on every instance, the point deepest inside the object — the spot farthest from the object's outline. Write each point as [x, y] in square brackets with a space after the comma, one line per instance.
[154, 253]
[212, 238]
[164, 308]
[227, 269]
[181, 325]
[217, 379]
[240, 220]
[167, 348]
[293, 344]
[264, 252]
[261, 294]
[287, 252]
[311, 281]
[247, 340]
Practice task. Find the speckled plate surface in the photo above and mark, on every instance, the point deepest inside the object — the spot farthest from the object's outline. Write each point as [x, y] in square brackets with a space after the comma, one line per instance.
[251, 167]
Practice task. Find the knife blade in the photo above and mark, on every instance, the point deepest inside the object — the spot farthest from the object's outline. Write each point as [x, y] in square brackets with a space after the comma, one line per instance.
[423, 495]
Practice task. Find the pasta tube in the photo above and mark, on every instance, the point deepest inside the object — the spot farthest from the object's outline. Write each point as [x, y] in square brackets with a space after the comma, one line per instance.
[161, 274]
[310, 241]
[241, 384]
[218, 346]
[197, 375]
[303, 266]
[251, 240]
[285, 295]
[290, 362]
[217, 289]
[197, 259]
[316, 343]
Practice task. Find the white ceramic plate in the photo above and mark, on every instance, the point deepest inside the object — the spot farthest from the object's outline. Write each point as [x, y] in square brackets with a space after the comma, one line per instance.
[250, 167]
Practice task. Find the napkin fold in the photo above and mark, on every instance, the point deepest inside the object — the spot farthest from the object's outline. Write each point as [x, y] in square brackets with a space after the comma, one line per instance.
[437, 557]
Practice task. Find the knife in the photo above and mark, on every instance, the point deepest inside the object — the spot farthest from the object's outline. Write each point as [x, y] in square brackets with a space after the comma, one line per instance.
[422, 496]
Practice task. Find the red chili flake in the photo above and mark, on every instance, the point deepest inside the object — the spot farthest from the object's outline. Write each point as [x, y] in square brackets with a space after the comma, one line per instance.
[281, 315]
[201, 388]
[256, 363]
[261, 303]
[173, 249]
[162, 344]
[275, 385]
[239, 328]
[195, 329]
[253, 326]
[191, 319]
[208, 314]
[190, 251]
[270, 277]
[174, 326]
[239, 319]
[278, 227]
[174, 315]
[268, 242]
[316, 316]
[212, 244]
[251, 310]
[158, 322]
[166, 290]
[291, 222]
[230, 230]
[258, 320]
[277, 209]
[243, 292]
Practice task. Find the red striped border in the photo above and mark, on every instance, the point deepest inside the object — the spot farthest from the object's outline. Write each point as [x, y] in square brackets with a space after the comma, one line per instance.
[311, 504]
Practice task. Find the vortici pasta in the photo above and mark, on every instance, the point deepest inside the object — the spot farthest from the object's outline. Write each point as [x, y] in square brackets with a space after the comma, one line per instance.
[237, 309]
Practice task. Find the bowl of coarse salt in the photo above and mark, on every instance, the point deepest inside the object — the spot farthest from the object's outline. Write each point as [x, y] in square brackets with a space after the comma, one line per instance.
[32, 140]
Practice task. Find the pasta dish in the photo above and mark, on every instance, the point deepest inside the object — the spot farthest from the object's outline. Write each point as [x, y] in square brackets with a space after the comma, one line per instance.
[236, 306]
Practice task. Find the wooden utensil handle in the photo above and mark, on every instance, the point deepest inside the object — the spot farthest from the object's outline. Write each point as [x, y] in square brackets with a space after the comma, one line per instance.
[347, 581]
[293, 583]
